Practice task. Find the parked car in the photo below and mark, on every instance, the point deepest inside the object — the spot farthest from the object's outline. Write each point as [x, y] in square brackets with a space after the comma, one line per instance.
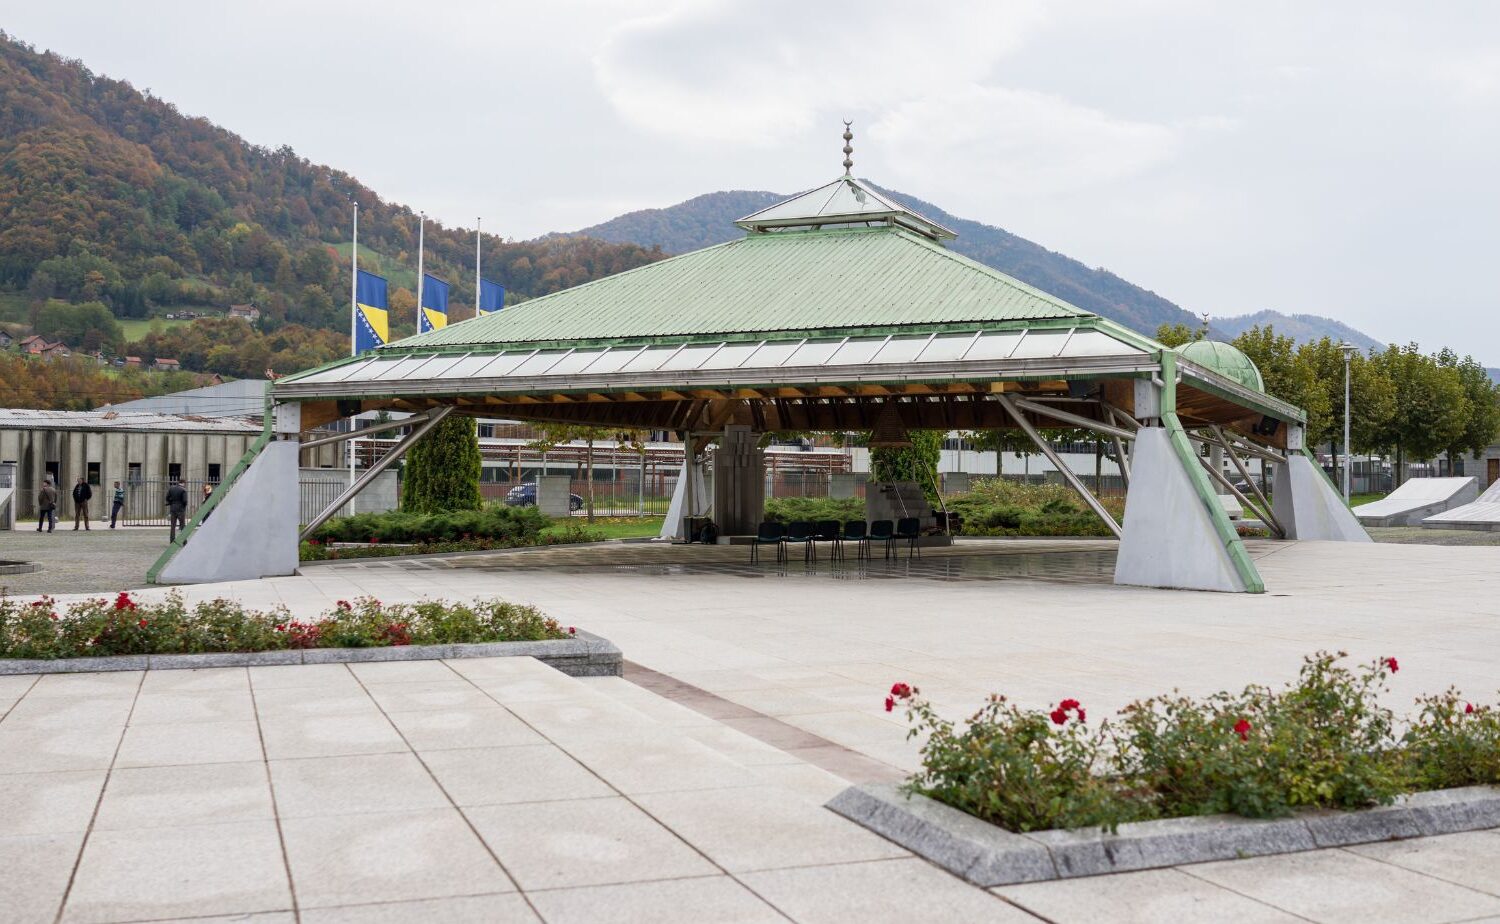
[524, 495]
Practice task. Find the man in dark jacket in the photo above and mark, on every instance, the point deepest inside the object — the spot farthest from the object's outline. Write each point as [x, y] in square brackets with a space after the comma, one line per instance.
[46, 506]
[82, 494]
[177, 501]
[116, 505]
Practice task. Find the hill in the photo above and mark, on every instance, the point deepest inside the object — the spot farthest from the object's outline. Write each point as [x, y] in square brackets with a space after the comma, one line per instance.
[1300, 327]
[709, 219]
[110, 194]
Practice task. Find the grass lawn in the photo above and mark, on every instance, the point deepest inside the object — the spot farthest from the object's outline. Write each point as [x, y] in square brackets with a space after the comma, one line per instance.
[136, 328]
[620, 527]
[1356, 499]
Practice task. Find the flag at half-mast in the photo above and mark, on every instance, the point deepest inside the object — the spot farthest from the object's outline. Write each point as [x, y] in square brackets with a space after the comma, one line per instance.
[372, 319]
[491, 296]
[434, 313]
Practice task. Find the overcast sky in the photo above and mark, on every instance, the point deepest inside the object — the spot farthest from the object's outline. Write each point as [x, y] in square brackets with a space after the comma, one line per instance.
[1336, 158]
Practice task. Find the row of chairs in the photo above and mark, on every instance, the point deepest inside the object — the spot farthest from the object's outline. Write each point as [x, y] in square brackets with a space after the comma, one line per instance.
[808, 534]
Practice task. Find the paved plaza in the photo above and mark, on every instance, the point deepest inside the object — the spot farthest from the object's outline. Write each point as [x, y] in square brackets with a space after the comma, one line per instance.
[691, 789]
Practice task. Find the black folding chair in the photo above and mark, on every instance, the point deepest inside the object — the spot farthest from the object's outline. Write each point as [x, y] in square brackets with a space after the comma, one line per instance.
[768, 534]
[881, 531]
[828, 531]
[800, 531]
[855, 531]
[908, 529]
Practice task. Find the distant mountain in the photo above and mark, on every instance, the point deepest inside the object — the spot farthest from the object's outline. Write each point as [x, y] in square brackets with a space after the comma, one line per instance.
[709, 219]
[1300, 327]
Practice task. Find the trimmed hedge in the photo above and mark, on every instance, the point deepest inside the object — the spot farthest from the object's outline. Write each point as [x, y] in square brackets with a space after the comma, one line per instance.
[812, 509]
[999, 507]
[515, 525]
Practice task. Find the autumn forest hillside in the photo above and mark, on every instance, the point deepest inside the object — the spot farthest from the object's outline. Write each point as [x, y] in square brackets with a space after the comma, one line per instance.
[111, 195]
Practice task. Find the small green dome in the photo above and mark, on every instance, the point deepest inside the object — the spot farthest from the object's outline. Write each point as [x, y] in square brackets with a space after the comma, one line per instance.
[1225, 359]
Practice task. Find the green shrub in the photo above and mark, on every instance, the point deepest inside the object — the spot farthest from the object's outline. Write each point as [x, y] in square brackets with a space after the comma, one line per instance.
[1322, 741]
[124, 626]
[812, 509]
[1002, 507]
[516, 525]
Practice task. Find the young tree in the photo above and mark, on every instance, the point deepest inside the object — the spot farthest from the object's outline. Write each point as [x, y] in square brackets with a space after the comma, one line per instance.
[917, 462]
[1431, 409]
[442, 469]
[1285, 375]
[552, 435]
[1483, 420]
[1371, 397]
[1176, 335]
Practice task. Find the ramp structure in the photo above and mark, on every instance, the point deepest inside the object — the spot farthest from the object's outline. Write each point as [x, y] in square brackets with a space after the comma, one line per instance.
[1483, 513]
[1418, 499]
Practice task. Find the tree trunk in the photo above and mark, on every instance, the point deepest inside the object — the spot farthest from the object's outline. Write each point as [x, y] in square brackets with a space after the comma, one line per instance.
[589, 454]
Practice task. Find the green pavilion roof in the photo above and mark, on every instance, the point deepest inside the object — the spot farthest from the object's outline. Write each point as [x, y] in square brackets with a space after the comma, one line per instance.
[845, 279]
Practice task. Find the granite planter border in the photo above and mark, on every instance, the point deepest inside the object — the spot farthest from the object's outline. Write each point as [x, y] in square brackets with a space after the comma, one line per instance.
[988, 855]
[584, 655]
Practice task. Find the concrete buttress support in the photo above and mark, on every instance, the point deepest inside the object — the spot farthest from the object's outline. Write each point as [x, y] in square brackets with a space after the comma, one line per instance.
[1176, 533]
[252, 532]
[1306, 504]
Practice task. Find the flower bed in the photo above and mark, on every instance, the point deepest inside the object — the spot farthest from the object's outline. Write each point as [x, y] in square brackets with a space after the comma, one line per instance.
[124, 626]
[1321, 742]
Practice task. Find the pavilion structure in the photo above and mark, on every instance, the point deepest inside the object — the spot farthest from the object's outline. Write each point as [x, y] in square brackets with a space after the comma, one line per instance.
[840, 309]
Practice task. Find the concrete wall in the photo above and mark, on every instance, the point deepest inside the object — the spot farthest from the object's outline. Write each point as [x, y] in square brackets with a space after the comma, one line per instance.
[252, 533]
[154, 452]
[320, 486]
[553, 495]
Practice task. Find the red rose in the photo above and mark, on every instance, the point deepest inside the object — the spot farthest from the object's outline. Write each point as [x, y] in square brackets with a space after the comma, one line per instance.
[1391, 663]
[1059, 716]
[143, 623]
[1242, 728]
[1081, 715]
[900, 690]
[1068, 704]
[572, 630]
[1468, 708]
[890, 703]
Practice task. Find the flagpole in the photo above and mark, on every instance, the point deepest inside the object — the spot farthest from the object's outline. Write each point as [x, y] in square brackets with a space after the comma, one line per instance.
[421, 228]
[478, 236]
[353, 323]
[354, 287]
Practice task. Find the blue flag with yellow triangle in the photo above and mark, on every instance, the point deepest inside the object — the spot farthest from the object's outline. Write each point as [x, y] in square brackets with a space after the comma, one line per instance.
[491, 296]
[434, 312]
[372, 324]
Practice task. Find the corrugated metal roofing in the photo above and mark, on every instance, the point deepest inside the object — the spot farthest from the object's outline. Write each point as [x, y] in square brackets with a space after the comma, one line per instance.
[28, 419]
[768, 282]
[744, 361]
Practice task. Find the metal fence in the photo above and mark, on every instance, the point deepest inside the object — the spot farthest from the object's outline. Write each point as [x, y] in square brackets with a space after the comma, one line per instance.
[145, 501]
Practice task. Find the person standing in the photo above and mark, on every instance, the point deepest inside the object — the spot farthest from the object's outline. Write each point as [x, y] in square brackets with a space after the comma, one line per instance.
[177, 501]
[82, 494]
[208, 491]
[46, 506]
[116, 505]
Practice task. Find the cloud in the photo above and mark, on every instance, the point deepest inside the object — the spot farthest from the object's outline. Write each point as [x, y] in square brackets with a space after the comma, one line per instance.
[760, 74]
[1021, 143]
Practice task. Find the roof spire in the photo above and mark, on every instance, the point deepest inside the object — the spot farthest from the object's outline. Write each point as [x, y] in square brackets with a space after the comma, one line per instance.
[848, 137]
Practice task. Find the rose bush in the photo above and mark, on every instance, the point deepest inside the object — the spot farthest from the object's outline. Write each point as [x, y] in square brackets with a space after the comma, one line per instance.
[1322, 741]
[126, 626]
